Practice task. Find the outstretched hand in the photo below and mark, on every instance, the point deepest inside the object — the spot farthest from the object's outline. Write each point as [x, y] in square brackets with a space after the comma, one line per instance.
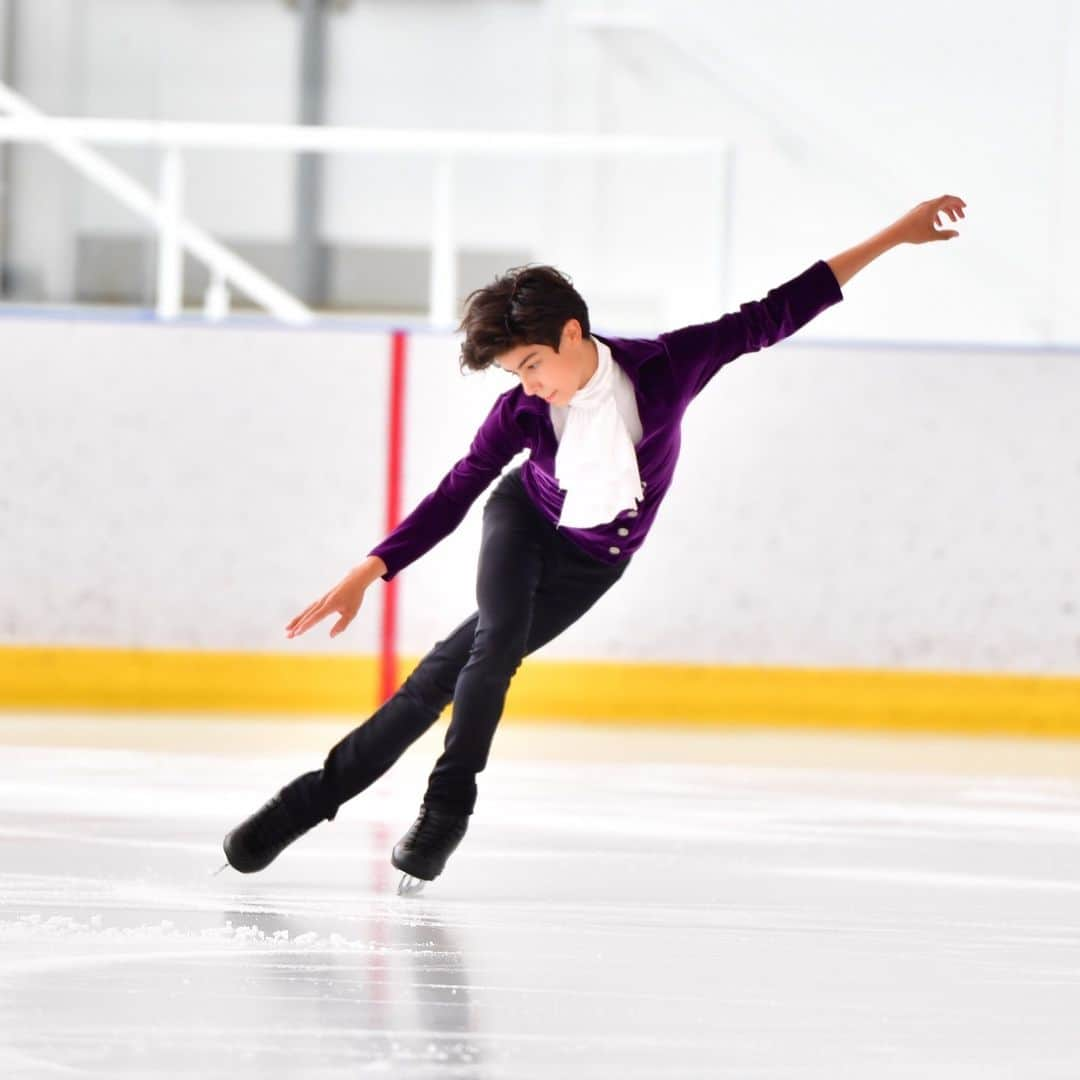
[919, 225]
[345, 598]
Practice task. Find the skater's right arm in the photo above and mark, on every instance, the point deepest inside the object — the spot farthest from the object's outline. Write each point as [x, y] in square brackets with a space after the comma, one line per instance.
[438, 514]
[498, 439]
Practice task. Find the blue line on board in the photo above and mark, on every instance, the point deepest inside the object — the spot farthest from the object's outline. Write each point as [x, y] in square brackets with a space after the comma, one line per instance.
[123, 316]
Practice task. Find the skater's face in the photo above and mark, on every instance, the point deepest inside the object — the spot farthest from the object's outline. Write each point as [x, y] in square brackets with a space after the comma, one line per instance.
[554, 375]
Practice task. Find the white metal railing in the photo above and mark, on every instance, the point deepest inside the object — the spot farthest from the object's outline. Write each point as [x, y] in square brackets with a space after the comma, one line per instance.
[28, 124]
[69, 136]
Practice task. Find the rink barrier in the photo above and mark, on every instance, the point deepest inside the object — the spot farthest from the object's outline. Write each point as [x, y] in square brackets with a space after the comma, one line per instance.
[662, 695]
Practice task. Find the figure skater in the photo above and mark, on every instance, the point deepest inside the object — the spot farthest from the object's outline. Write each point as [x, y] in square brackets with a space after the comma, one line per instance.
[601, 418]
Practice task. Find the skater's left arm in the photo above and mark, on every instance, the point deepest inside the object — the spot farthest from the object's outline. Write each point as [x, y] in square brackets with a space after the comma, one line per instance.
[699, 351]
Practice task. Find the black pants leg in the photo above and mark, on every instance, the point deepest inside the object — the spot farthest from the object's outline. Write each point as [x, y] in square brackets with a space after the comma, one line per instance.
[532, 583]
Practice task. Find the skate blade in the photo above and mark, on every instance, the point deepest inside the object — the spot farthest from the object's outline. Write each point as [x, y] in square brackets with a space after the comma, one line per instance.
[214, 873]
[409, 885]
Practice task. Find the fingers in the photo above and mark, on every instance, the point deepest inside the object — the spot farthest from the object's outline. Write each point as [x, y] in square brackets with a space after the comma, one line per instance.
[345, 598]
[952, 205]
[310, 607]
[317, 612]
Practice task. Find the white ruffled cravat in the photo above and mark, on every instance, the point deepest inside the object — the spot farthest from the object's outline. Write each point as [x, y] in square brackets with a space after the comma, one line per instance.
[596, 462]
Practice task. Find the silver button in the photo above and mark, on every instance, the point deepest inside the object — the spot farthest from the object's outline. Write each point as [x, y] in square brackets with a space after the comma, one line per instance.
[614, 550]
[624, 532]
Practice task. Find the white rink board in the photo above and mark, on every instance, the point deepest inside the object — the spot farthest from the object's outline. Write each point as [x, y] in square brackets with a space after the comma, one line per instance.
[195, 488]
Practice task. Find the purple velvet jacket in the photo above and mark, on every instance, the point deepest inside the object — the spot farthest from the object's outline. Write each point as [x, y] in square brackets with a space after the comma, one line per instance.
[668, 372]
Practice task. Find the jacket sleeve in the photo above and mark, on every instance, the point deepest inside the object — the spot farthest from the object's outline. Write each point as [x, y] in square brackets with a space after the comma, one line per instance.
[498, 439]
[698, 352]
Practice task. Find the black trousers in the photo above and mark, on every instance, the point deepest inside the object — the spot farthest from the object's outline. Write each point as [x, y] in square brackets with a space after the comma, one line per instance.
[532, 583]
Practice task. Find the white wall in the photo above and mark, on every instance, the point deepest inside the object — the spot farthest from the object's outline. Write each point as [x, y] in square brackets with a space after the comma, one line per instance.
[844, 117]
[193, 487]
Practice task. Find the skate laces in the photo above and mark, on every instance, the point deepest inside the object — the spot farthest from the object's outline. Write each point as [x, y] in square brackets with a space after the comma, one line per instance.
[429, 827]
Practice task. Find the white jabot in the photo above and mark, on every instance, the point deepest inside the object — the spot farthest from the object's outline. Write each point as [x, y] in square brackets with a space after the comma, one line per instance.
[596, 462]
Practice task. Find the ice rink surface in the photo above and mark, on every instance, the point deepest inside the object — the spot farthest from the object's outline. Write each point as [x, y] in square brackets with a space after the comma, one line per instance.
[625, 905]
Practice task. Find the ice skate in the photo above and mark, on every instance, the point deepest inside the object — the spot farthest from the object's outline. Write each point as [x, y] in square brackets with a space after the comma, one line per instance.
[260, 838]
[422, 852]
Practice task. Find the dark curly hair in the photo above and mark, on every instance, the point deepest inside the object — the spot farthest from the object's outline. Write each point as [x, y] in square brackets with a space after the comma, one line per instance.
[528, 305]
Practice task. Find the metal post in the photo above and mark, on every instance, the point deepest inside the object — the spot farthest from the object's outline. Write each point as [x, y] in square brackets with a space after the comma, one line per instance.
[216, 300]
[443, 280]
[170, 284]
[310, 266]
[7, 75]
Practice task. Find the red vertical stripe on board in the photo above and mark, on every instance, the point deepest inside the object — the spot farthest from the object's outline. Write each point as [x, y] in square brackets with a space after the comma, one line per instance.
[395, 460]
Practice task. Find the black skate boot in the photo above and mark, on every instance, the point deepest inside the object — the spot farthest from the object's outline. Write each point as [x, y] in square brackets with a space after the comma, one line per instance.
[258, 840]
[422, 852]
